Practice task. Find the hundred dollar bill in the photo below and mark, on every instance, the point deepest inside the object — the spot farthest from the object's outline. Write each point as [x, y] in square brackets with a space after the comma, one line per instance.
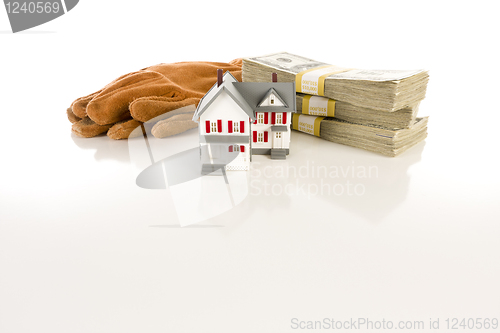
[384, 90]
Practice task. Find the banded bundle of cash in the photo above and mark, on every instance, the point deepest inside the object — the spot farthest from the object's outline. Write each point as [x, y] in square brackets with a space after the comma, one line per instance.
[403, 118]
[373, 138]
[384, 90]
[375, 110]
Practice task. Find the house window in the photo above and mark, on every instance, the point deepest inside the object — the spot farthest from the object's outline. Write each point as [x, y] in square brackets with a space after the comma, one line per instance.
[279, 118]
[213, 126]
[236, 127]
[260, 118]
[260, 137]
[278, 135]
[234, 149]
[272, 99]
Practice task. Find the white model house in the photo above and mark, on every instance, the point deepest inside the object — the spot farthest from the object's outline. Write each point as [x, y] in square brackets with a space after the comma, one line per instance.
[241, 119]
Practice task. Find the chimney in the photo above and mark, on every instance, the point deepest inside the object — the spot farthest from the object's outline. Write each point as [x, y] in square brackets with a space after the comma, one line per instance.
[219, 77]
[275, 77]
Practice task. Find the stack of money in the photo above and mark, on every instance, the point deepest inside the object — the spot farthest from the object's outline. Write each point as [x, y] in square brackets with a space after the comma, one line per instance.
[373, 138]
[404, 118]
[384, 90]
[370, 109]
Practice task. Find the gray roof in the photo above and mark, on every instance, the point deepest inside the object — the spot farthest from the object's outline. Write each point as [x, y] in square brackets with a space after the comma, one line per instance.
[254, 93]
[227, 86]
[248, 95]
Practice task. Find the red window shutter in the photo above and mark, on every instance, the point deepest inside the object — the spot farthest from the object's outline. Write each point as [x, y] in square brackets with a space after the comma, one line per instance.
[273, 118]
[242, 148]
[207, 126]
[242, 126]
[256, 116]
[284, 118]
[265, 136]
[254, 136]
[230, 149]
[266, 118]
[230, 126]
[219, 125]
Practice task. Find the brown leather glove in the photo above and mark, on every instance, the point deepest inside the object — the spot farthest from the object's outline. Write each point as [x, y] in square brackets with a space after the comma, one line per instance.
[137, 97]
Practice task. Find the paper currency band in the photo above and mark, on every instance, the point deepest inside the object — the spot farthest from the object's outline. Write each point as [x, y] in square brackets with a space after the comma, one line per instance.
[317, 125]
[312, 81]
[295, 121]
[307, 124]
[318, 106]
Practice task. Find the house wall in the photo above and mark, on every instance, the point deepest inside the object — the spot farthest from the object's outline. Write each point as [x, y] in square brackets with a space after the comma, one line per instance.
[261, 128]
[225, 109]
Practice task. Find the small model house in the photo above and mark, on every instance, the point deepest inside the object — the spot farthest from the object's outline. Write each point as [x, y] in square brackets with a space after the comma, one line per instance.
[240, 119]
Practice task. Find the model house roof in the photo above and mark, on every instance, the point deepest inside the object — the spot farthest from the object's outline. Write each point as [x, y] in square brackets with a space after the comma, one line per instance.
[228, 87]
[249, 95]
[255, 92]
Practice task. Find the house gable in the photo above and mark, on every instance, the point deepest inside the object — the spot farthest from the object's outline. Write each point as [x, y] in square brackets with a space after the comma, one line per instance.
[272, 98]
[255, 93]
[214, 93]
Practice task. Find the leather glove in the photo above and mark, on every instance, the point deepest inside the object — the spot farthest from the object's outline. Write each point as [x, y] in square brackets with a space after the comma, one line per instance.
[137, 97]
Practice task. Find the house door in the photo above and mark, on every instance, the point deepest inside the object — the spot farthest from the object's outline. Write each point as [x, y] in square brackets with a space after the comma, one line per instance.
[278, 140]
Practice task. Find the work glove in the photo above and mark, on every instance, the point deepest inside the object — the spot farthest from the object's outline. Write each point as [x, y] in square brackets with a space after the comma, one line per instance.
[138, 97]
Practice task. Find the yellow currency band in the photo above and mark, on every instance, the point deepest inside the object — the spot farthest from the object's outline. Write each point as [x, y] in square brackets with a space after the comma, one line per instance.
[321, 79]
[330, 110]
[331, 106]
[298, 78]
[305, 104]
[317, 125]
[295, 121]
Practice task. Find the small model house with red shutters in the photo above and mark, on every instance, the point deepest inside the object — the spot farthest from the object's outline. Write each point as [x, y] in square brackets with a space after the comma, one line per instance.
[240, 119]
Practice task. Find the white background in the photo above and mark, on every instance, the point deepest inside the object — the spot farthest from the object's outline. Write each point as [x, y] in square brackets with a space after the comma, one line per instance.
[83, 249]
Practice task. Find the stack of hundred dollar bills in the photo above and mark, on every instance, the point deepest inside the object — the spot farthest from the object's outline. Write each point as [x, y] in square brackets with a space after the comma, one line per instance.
[371, 109]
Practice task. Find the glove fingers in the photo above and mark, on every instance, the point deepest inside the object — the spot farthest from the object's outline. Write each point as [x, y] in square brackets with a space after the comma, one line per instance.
[147, 108]
[125, 130]
[79, 106]
[174, 125]
[86, 128]
[113, 102]
[148, 93]
[72, 117]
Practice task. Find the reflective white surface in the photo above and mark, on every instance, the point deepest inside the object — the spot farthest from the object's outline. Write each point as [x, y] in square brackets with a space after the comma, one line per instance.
[84, 249]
